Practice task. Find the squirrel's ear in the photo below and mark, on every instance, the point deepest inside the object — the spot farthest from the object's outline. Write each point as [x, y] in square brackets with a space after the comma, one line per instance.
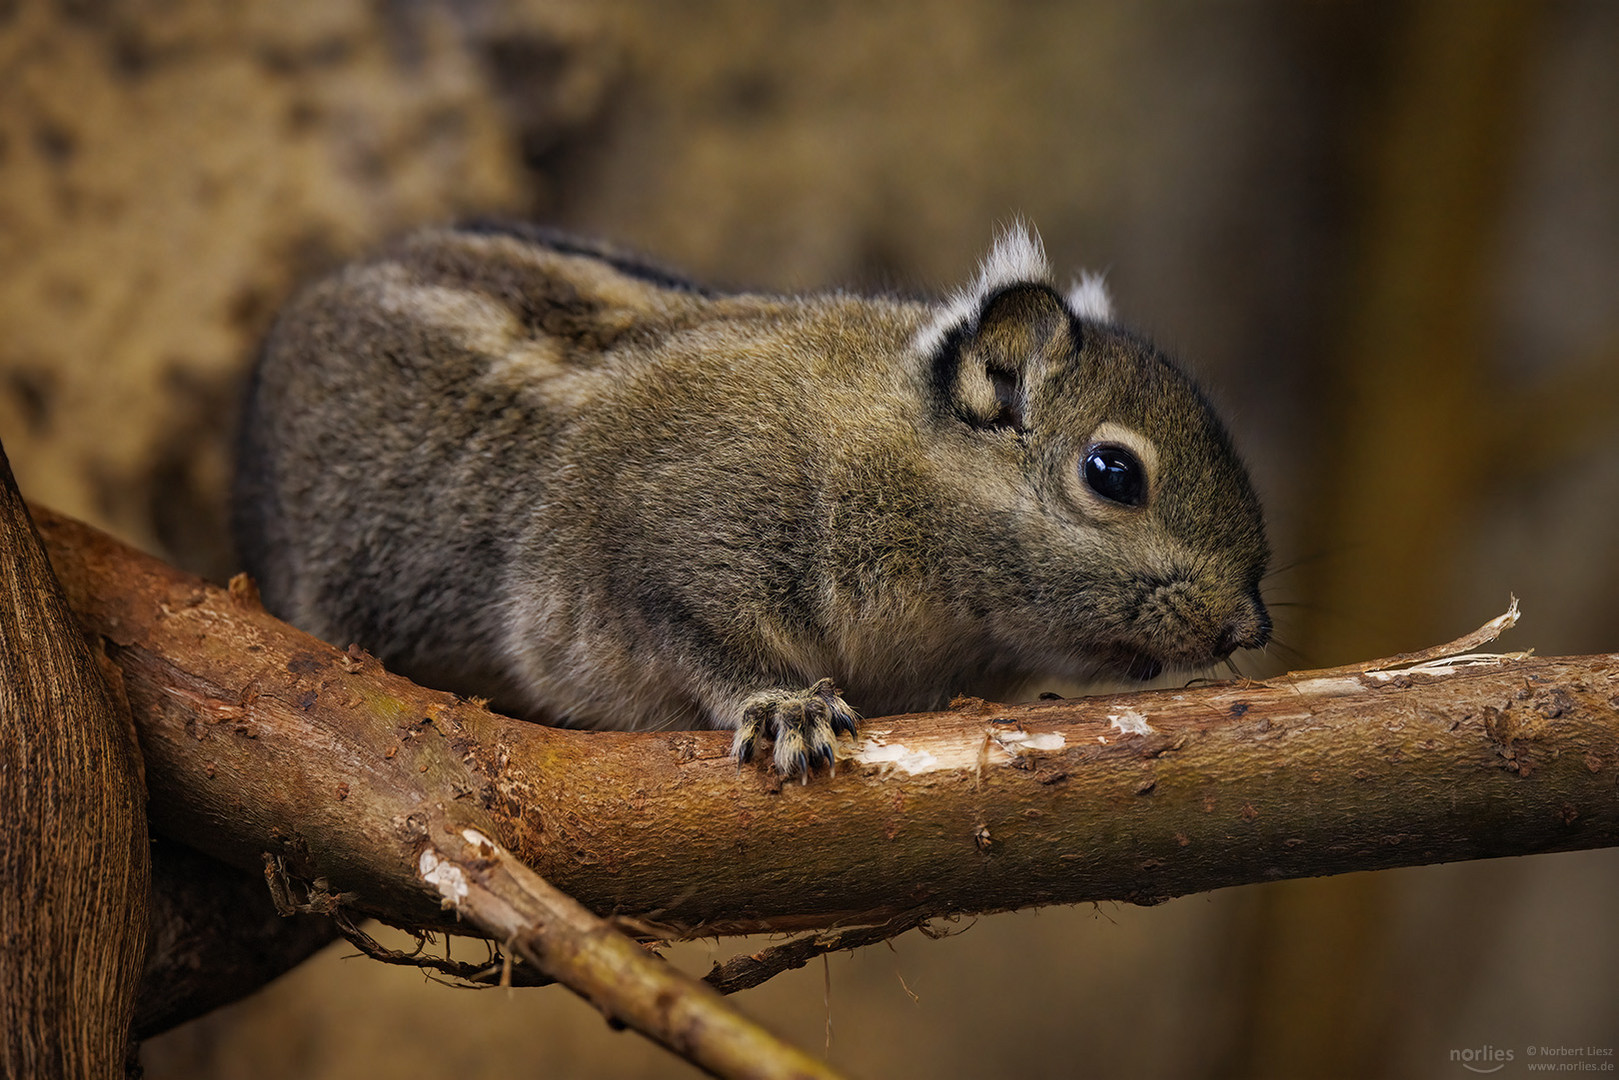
[991, 364]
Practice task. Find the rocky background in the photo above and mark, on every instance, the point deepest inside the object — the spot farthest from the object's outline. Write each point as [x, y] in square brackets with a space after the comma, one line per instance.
[1386, 235]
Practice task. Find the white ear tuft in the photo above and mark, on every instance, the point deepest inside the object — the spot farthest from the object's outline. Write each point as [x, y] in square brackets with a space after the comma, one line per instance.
[1088, 298]
[1018, 256]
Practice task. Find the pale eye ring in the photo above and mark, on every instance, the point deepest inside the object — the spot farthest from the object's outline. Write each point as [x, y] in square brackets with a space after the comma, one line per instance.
[1114, 473]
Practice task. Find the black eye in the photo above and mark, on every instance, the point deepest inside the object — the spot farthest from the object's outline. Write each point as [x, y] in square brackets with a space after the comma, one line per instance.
[1115, 474]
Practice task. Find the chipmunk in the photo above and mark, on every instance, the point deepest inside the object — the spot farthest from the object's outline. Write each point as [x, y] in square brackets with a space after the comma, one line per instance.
[514, 464]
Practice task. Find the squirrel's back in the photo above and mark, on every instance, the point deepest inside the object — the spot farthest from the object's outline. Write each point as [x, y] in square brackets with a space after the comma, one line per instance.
[402, 429]
[520, 466]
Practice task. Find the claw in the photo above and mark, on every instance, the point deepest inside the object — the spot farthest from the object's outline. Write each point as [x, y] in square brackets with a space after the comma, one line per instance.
[804, 725]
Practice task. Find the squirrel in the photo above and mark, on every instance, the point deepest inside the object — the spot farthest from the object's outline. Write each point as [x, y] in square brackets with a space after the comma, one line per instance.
[516, 464]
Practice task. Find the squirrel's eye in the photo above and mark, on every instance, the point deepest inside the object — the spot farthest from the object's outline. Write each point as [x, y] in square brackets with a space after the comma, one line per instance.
[1114, 473]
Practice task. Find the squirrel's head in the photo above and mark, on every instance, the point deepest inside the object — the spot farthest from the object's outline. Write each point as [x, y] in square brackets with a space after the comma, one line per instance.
[1126, 532]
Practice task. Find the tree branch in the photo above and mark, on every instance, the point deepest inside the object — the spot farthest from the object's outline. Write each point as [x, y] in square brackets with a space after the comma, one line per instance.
[74, 873]
[489, 888]
[260, 739]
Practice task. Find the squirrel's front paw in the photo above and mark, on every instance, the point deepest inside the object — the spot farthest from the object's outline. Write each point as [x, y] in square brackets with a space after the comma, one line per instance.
[804, 724]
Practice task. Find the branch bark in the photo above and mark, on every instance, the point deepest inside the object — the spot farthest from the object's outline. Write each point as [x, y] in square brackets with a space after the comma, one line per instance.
[260, 739]
[73, 859]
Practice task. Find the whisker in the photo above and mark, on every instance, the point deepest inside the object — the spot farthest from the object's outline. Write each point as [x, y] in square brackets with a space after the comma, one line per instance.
[1286, 651]
[1309, 560]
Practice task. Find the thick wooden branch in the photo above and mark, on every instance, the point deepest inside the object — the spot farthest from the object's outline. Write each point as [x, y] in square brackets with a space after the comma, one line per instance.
[73, 859]
[258, 738]
[260, 741]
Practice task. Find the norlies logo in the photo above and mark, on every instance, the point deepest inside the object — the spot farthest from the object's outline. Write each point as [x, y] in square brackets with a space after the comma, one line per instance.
[1482, 1059]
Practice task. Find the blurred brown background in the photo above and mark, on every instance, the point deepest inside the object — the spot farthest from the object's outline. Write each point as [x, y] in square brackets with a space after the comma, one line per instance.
[1386, 235]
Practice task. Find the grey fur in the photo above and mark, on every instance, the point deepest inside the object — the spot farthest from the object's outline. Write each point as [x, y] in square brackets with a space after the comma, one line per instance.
[522, 467]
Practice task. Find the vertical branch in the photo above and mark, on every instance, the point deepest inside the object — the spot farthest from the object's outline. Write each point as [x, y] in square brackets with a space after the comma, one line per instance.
[73, 842]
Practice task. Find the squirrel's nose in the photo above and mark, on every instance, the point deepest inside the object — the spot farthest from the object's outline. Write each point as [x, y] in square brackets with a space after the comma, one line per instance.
[1249, 628]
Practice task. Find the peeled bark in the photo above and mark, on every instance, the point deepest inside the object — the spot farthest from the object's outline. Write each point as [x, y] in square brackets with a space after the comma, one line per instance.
[73, 840]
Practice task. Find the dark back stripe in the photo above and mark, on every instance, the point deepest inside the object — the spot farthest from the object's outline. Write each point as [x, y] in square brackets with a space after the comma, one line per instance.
[564, 243]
